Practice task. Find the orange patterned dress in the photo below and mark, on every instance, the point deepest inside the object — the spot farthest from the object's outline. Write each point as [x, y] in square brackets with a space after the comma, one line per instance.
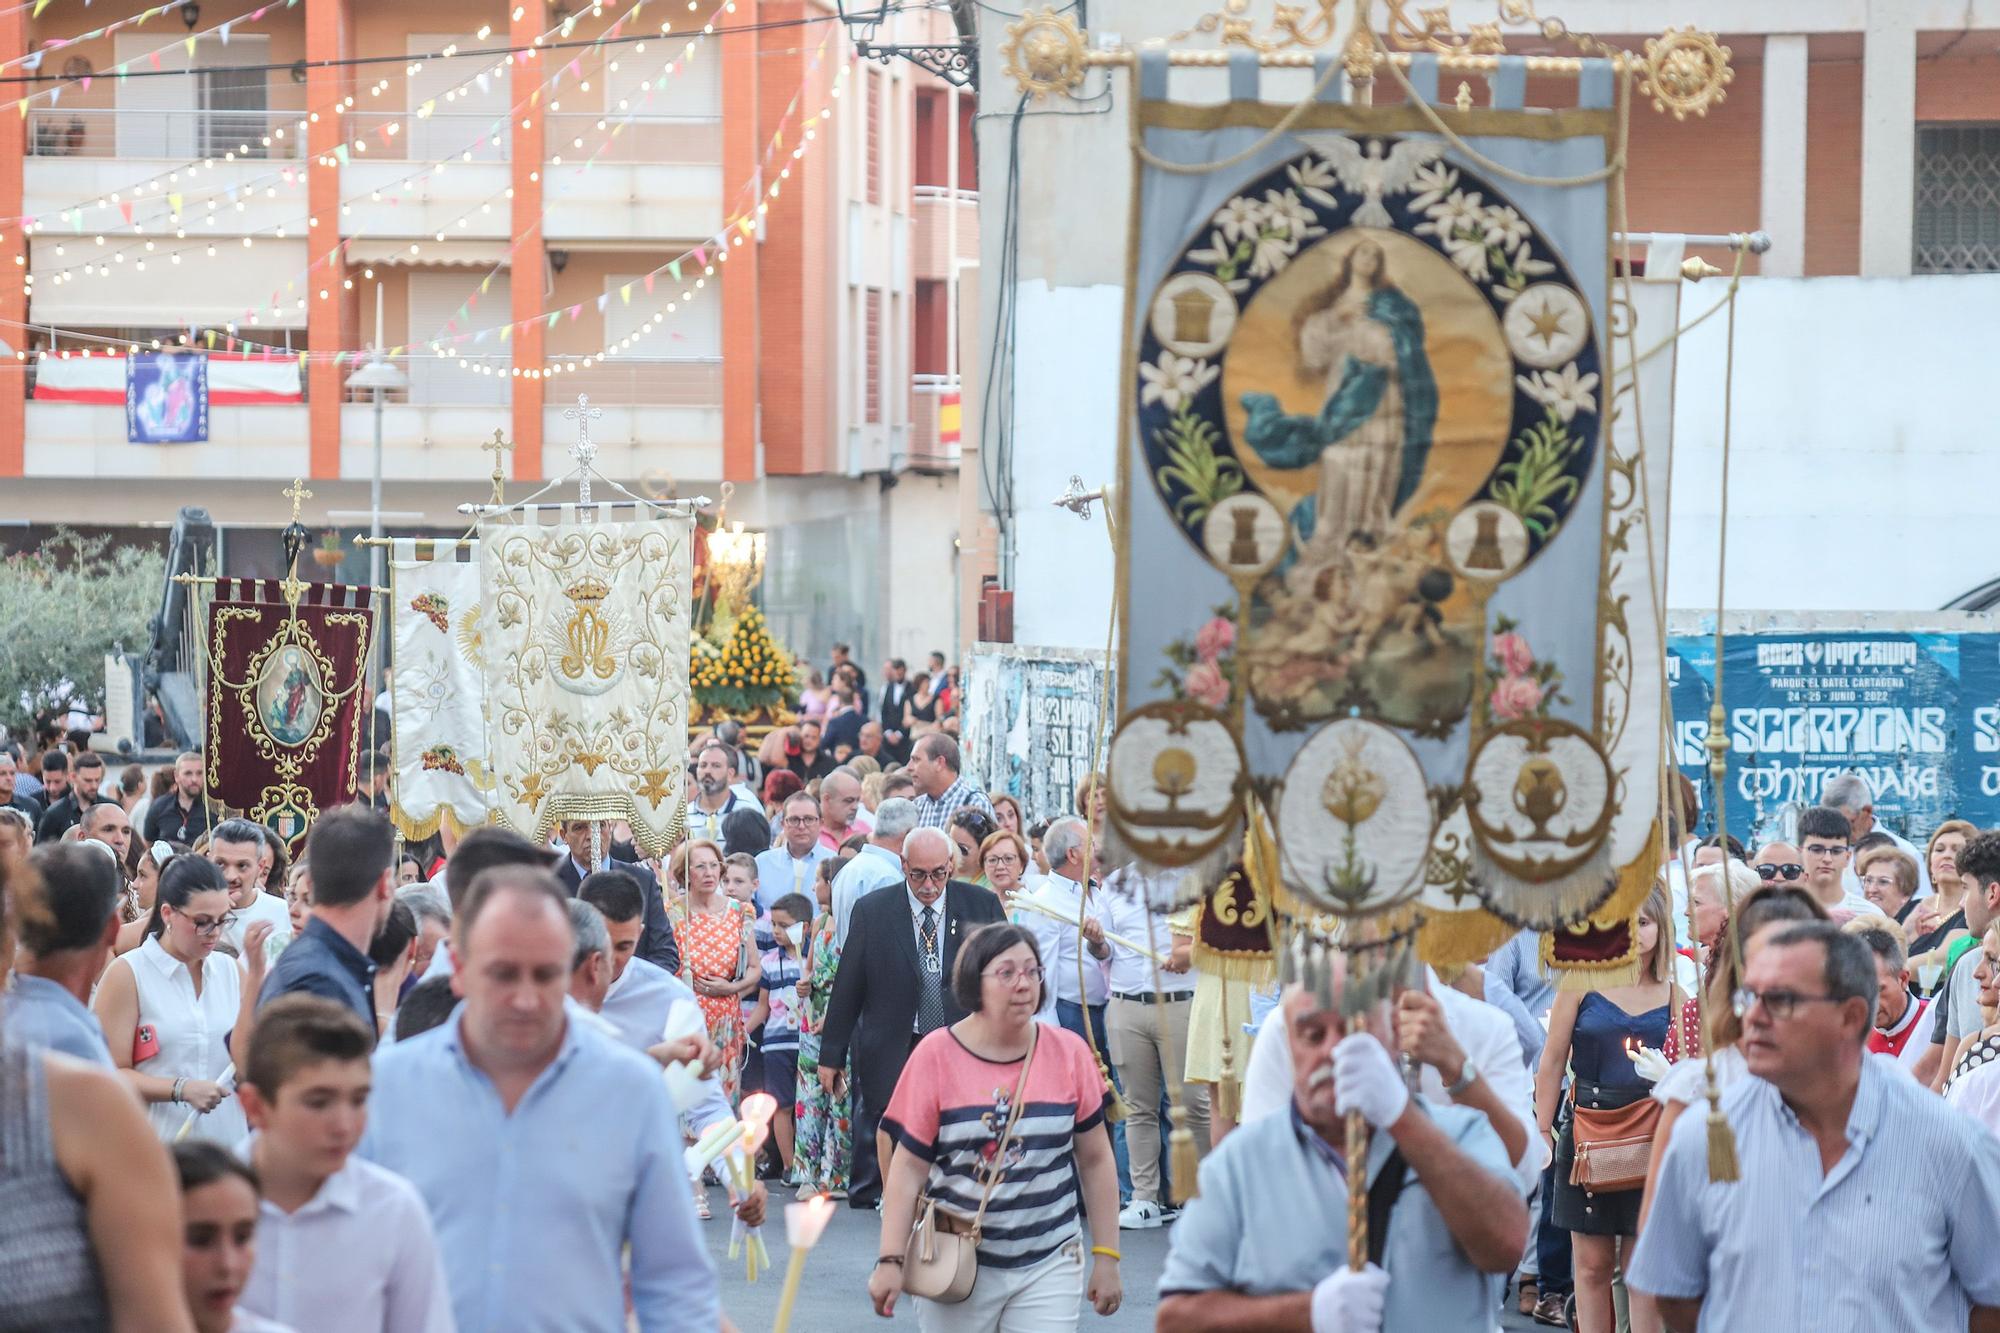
[713, 944]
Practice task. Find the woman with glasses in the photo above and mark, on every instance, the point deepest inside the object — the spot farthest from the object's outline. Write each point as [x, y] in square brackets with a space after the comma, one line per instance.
[997, 1110]
[970, 828]
[169, 1007]
[1003, 860]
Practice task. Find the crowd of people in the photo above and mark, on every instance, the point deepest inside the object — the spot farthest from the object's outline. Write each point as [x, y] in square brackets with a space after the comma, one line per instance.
[451, 1085]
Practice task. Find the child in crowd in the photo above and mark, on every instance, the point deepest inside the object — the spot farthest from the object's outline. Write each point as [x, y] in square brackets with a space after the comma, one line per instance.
[348, 1244]
[219, 1237]
[739, 885]
[777, 1012]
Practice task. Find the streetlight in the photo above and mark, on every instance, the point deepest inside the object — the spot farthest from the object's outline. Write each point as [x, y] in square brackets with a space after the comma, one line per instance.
[378, 375]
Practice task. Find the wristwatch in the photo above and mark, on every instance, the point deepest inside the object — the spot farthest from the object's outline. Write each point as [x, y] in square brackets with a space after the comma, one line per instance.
[1468, 1074]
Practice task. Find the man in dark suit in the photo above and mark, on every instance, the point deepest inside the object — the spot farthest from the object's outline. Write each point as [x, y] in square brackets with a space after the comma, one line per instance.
[86, 776]
[656, 944]
[894, 987]
[894, 693]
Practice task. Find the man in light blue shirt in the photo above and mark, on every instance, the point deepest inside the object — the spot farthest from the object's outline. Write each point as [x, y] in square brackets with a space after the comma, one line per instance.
[789, 867]
[1445, 1211]
[64, 949]
[1866, 1201]
[544, 1151]
[875, 866]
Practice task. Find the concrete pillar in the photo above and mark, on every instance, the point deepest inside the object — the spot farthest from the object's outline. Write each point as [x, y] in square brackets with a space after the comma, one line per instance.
[528, 136]
[1783, 206]
[13, 242]
[330, 324]
[1888, 139]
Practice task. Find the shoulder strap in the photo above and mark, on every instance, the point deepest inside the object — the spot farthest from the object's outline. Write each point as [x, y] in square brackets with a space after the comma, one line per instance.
[1013, 1118]
[1382, 1196]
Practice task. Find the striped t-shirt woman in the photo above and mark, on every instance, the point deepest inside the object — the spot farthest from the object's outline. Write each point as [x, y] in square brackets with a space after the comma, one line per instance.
[950, 1109]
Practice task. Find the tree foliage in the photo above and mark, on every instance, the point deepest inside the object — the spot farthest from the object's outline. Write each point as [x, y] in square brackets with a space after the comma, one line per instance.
[63, 606]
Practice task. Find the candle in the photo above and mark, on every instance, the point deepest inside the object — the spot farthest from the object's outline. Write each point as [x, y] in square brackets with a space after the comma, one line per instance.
[804, 1223]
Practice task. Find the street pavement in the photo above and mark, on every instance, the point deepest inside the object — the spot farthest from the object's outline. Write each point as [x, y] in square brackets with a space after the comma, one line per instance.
[834, 1295]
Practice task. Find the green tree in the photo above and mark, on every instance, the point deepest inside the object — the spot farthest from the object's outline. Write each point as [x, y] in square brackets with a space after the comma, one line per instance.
[63, 606]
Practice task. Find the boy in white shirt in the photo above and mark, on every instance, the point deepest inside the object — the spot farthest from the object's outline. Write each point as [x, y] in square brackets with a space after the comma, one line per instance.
[777, 1012]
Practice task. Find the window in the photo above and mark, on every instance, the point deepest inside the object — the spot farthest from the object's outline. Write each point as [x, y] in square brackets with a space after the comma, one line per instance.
[872, 91]
[1958, 199]
[871, 395]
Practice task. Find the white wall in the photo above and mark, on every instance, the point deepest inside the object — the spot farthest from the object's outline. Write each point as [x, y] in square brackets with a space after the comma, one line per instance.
[1865, 453]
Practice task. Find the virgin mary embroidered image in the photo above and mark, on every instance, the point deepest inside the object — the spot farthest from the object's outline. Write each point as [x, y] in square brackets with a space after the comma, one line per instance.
[1365, 340]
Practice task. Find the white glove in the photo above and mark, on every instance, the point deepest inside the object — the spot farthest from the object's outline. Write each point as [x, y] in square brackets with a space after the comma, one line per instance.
[1350, 1302]
[1650, 1064]
[1365, 1080]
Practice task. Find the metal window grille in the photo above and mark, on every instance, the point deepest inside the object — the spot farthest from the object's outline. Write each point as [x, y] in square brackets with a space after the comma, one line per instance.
[872, 396]
[1958, 199]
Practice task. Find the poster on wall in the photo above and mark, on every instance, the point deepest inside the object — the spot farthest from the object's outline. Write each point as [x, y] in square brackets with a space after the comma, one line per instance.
[1030, 722]
[166, 398]
[1916, 714]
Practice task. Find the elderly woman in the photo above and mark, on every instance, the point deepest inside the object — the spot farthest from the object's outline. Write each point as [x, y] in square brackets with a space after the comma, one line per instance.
[1003, 859]
[999, 1118]
[1888, 877]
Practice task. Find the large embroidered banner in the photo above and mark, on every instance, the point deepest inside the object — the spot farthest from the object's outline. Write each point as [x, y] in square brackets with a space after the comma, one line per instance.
[586, 625]
[437, 711]
[1375, 567]
[284, 698]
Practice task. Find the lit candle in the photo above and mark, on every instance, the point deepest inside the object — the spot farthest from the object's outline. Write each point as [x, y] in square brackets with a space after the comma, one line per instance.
[804, 1223]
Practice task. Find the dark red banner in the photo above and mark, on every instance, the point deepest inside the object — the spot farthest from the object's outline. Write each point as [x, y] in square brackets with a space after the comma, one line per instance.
[284, 698]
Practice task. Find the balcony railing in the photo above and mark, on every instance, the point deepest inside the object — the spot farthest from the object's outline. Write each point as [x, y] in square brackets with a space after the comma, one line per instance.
[944, 226]
[108, 132]
[620, 382]
[936, 416]
[580, 136]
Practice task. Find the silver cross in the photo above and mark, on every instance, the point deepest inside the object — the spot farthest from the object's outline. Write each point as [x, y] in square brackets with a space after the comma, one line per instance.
[584, 451]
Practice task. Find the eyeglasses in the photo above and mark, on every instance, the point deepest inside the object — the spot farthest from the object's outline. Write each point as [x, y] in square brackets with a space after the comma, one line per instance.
[1780, 1004]
[1887, 883]
[209, 925]
[937, 876]
[1786, 870]
[800, 821]
[1825, 849]
[1002, 859]
[1007, 974]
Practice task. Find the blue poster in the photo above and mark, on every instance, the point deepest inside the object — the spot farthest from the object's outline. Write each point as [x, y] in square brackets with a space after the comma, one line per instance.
[1916, 714]
[166, 397]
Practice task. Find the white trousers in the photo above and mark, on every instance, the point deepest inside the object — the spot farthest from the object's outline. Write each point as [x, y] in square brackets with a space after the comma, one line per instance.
[1043, 1298]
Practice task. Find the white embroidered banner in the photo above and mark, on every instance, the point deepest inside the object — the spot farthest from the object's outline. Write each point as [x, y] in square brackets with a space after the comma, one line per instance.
[437, 700]
[586, 646]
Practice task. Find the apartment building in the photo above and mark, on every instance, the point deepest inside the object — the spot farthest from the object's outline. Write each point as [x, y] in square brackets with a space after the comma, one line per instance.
[739, 241]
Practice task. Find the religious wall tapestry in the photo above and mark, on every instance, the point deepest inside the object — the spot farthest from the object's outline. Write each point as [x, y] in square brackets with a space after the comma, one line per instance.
[585, 654]
[284, 698]
[437, 710]
[1378, 566]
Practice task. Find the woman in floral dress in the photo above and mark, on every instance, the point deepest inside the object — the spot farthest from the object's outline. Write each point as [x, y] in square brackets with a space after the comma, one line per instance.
[719, 960]
[819, 1158]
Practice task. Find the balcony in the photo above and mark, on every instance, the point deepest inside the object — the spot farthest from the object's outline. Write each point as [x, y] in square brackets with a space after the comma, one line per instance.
[936, 415]
[944, 227]
[172, 135]
[657, 176]
[661, 422]
[252, 177]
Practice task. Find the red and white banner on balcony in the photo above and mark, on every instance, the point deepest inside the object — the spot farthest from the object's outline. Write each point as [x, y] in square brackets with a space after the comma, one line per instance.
[234, 380]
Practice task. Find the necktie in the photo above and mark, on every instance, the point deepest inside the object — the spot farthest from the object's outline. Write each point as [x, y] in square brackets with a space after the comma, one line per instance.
[930, 975]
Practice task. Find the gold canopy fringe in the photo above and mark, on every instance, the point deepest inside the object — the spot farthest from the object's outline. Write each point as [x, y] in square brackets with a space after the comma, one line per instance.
[416, 830]
[1454, 939]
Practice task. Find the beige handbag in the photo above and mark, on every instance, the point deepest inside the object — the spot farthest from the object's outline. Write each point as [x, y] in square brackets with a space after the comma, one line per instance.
[942, 1261]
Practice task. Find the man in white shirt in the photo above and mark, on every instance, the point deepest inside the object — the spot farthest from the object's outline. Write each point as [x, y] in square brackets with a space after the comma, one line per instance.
[876, 865]
[715, 797]
[1827, 854]
[1469, 1056]
[789, 867]
[1850, 794]
[238, 849]
[1148, 1024]
[341, 1243]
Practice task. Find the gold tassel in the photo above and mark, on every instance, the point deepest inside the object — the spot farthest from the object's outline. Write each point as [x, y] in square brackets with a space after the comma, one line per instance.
[1183, 1162]
[1228, 1099]
[1721, 1141]
[1115, 1109]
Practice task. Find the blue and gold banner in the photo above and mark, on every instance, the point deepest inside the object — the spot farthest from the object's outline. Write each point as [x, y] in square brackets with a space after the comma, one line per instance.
[1379, 563]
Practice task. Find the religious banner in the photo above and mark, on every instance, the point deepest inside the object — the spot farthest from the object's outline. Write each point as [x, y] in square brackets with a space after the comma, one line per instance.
[166, 397]
[437, 713]
[1031, 720]
[284, 698]
[1376, 563]
[585, 646]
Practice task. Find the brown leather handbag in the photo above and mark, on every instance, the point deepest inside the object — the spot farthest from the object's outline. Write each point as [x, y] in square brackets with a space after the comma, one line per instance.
[1612, 1146]
[942, 1260]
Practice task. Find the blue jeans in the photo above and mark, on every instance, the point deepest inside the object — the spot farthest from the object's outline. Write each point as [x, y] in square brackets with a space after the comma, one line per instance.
[1071, 1016]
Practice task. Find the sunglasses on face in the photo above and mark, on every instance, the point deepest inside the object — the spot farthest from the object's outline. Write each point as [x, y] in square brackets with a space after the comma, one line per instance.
[1788, 870]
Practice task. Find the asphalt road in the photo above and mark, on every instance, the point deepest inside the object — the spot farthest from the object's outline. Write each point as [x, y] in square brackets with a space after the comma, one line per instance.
[834, 1295]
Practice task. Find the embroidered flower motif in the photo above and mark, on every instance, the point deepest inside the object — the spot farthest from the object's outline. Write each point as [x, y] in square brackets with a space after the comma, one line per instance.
[1563, 392]
[1457, 212]
[1283, 209]
[1514, 698]
[1315, 178]
[1241, 216]
[1175, 380]
[1214, 639]
[1206, 685]
[1513, 654]
[1504, 227]
[1273, 250]
[1430, 184]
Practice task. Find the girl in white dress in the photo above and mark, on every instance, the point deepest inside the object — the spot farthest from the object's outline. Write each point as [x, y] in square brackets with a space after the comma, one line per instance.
[170, 1007]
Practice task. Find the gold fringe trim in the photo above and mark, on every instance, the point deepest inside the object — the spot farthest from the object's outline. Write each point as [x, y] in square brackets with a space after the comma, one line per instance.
[1454, 939]
[416, 830]
[1562, 900]
[1255, 968]
[1595, 976]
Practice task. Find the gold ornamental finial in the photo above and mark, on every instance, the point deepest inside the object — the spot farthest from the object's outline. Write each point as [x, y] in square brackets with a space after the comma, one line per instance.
[1044, 53]
[297, 494]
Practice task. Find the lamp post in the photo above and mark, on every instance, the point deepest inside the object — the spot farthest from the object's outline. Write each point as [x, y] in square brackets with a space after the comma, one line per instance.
[378, 375]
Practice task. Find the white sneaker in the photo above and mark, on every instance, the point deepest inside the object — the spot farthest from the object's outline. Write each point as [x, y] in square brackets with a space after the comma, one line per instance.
[1141, 1215]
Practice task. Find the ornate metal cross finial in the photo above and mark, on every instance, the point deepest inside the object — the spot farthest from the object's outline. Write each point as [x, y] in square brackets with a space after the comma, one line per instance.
[497, 446]
[297, 494]
[584, 451]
